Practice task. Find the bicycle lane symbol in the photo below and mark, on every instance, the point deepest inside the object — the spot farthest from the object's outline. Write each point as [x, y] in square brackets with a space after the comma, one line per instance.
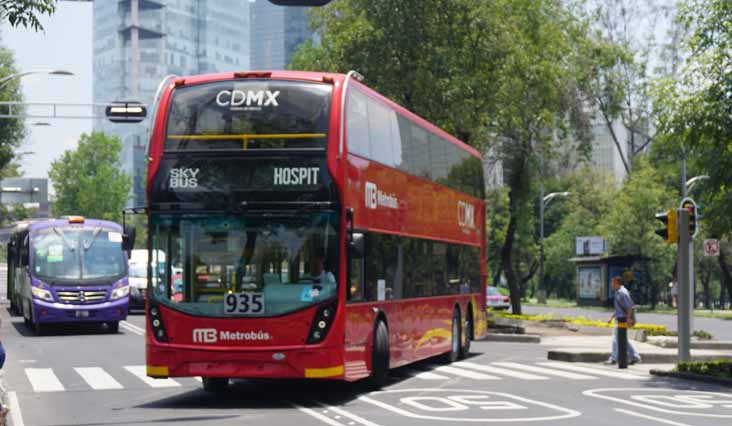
[670, 401]
[460, 405]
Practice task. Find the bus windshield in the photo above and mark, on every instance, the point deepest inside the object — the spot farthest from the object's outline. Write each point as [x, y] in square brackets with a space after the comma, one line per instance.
[78, 255]
[249, 115]
[280, 261]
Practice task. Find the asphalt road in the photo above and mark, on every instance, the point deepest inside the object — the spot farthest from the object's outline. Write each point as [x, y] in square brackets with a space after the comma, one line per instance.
[84, 376]
[721, 329]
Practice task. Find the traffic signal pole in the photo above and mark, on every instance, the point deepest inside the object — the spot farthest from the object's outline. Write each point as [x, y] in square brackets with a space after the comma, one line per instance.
[685, 291]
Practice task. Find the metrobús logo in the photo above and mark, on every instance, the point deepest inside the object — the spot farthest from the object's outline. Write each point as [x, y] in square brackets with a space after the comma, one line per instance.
[466, 215]
[250, 100]
[211, 335]
[374, 197]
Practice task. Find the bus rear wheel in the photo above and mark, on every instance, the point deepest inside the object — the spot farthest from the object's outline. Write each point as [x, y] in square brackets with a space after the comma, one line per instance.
[454, 353]
[467, 335]
[215, 384]
[379, 357]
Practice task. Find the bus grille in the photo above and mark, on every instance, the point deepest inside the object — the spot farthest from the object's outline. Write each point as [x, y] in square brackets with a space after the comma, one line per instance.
[81, 296]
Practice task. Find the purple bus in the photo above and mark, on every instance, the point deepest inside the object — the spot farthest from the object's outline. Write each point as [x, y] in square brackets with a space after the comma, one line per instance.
[68, 270]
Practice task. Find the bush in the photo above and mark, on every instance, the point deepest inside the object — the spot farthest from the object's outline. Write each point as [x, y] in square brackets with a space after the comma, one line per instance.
[721, 369]
[702, 335]
[651, 329]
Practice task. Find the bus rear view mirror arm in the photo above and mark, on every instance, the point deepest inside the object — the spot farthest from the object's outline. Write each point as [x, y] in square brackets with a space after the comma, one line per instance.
[128, 239]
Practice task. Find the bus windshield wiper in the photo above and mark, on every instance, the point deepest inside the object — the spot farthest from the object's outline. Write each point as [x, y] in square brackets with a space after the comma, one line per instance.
[88, 244]
[60, 233]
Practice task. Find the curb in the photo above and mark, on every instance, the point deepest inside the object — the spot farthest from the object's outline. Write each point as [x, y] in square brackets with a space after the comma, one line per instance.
[649, 358]
[516, 338]
[692, 376]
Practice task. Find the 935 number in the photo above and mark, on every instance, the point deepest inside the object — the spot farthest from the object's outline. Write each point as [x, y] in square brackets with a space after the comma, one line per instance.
[244, 303]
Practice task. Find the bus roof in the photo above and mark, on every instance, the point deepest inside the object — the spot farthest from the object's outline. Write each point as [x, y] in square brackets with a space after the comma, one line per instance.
[323, 77]
[46, 223]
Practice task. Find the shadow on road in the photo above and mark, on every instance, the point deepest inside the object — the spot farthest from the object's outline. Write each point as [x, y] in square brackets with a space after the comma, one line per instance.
[284, 393]
[50, 330]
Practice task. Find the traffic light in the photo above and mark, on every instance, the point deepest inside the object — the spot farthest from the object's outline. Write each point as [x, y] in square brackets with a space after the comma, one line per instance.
[668, 232]
[690, 205]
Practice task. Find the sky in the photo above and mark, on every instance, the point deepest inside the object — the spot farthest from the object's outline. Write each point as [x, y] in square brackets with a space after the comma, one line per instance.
[65, 44]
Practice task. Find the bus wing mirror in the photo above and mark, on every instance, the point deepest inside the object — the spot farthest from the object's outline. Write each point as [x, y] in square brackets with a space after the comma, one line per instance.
[24, 257]
[128, 239]
[356, 246]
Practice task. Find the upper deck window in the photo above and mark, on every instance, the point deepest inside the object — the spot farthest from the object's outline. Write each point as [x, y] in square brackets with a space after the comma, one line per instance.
[249, 114]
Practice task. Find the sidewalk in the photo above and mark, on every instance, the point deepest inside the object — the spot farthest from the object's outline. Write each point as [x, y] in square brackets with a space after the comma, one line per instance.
[585, 348]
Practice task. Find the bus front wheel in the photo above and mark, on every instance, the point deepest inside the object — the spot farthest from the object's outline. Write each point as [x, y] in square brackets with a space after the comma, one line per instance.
[215, 384]
[379, 357]
[467, 335]
[113, 327]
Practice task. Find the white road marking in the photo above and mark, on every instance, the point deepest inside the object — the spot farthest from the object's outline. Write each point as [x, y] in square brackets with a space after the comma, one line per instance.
[499, 370]
[352, 416]
[97, 378]
[426, 375]
[317, 415]
[141, 373]
[466, 373]
[593, 370]
[598, 393]
[43, 380]
[132, 327]
[547, 371]
[15, 415]
[644, 416]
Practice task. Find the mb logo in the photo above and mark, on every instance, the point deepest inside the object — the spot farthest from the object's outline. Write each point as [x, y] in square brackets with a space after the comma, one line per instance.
[371, 195]
[204, 335]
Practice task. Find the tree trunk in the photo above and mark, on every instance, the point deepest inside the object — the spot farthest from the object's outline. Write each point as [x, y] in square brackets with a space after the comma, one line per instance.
[705, 274]
[506, 260]
[726, 274]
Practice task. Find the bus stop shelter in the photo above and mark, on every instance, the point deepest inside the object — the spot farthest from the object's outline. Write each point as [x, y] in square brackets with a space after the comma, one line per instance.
[594, 277]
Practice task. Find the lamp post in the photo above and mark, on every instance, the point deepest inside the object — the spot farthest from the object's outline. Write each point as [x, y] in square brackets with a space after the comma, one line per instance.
[541, 293]
[690, 183]
[5, 80]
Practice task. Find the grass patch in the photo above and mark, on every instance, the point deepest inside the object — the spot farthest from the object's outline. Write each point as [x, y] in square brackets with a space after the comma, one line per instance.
[705, 313]
[551, 303]
[720, 369]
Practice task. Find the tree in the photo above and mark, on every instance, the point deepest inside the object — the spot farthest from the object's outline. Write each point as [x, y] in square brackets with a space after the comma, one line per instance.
[504, 73]
[26, 12]
[88, 180]
[694, 111]
[631, 224]
[12, 130]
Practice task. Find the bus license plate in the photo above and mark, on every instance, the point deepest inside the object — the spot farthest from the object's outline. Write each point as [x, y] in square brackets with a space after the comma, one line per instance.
[244, 303]
[82, 314]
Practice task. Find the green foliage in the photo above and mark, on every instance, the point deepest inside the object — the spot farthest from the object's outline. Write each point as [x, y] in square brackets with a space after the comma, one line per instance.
[722, 369]
[25, 12]
[88, 181]
[12, 130]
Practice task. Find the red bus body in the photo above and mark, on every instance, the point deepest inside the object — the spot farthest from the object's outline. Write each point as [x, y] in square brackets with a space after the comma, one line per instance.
[277, 346]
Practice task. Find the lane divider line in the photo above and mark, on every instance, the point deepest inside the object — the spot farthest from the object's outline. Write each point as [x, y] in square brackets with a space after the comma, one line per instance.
[133, 328]
[321, 417]
[647, 417]
[351, 416]
[499, 370]
[15, 415]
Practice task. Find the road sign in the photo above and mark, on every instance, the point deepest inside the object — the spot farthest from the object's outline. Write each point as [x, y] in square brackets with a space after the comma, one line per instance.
[711, 248]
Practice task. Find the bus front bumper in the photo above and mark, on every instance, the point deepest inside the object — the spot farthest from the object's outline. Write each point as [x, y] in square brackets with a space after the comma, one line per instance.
[115, 310]
[292, 363]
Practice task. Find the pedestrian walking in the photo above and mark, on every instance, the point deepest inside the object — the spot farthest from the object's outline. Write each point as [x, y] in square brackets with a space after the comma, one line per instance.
[623, 312]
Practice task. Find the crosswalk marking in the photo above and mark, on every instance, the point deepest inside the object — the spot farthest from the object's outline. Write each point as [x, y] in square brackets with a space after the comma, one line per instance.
[43, 380]
[547, 371]
[97, 378]
[466, 373]
[140, 372]
[499, 370]
[426, 375]
[592, 370]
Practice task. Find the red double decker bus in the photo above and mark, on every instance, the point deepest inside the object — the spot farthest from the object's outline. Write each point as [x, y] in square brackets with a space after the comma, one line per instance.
[307, 227]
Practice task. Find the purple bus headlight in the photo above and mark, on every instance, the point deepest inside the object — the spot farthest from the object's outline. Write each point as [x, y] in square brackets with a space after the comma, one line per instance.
[120, 292]
[42, 293]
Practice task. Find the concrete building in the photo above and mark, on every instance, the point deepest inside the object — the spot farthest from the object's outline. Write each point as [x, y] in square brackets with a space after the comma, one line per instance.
[31, 193]
[138, 42]
[276, 33]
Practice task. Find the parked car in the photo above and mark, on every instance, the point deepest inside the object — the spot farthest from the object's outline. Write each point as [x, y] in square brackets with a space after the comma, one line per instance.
[495, 300]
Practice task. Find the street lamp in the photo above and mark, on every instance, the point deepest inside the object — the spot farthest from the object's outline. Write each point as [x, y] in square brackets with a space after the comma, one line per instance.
[690, 183]
[541, 293]
[5, 80]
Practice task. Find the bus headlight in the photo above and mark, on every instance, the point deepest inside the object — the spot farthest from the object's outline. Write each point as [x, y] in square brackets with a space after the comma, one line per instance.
[321, 323]
[120, 292]
[42, 294]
